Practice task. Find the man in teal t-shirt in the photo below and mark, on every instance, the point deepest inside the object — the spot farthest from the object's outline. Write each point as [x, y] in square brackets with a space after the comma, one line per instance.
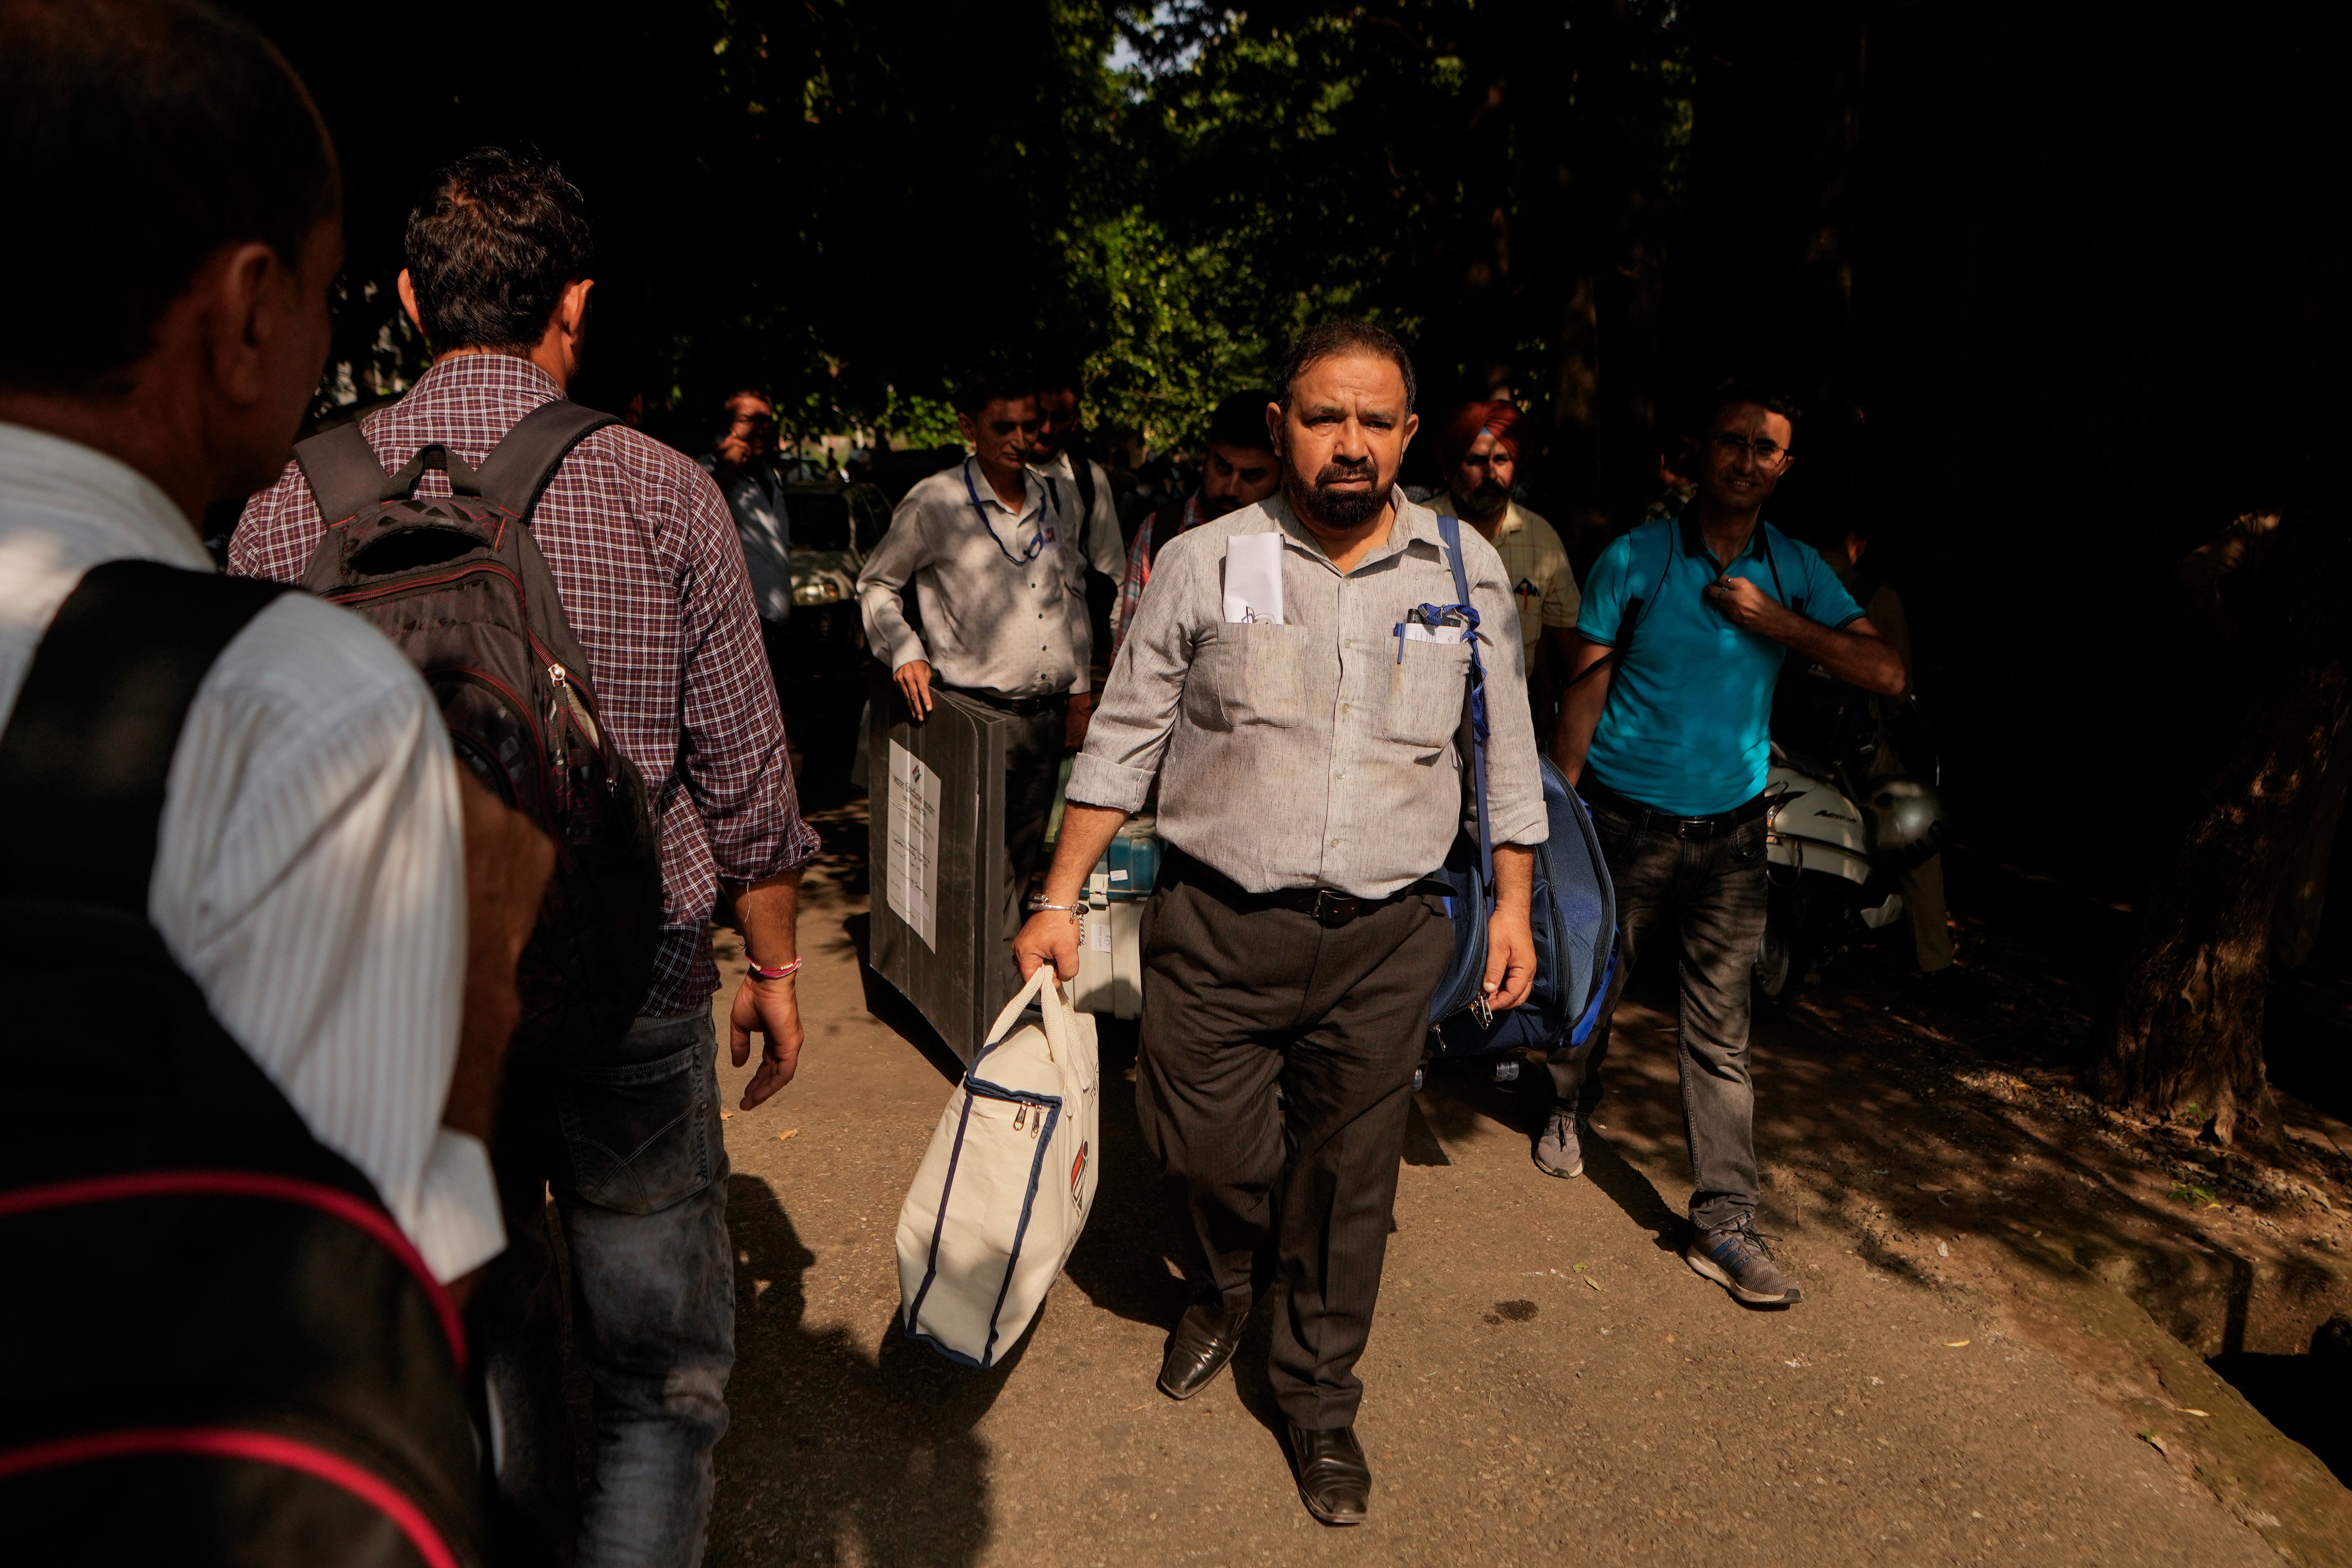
[1665, 731]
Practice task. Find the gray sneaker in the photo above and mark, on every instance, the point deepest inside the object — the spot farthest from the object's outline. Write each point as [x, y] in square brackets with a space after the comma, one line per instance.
[1737, 1257]
[1557, 1154]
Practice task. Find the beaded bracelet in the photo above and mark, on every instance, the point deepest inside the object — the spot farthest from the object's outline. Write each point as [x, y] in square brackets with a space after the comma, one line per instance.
[784, 972]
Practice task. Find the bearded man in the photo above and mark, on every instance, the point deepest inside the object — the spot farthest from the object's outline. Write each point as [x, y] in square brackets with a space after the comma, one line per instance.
[1300, 711]
[1478, 454]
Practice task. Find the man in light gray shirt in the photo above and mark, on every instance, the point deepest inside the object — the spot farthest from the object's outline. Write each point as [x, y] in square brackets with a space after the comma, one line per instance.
[1303, 721]
[996, 554]
[743, 461]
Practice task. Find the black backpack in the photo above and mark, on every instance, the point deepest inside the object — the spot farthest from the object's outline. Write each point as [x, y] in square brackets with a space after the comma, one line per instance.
[220, 1348]
[458, 582]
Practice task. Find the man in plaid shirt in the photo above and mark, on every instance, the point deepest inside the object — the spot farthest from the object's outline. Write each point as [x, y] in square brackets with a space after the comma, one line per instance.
[652, 576]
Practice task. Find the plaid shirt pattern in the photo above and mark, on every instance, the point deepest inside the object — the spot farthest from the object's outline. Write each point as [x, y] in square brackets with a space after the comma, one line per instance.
[646, 559]
[1138, 565]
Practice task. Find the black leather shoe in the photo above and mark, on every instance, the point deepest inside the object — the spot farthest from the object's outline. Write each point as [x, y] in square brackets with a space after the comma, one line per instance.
[1204, 1340]
[1334, 1481]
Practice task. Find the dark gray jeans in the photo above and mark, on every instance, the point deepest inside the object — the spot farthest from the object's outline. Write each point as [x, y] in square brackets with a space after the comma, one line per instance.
[629, 1146]
[1713, 891]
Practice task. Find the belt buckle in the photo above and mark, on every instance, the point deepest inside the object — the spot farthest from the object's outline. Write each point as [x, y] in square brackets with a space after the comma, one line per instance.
[1333, 908]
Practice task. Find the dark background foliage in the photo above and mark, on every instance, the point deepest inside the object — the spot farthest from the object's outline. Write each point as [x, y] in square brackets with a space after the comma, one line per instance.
[2060, 284]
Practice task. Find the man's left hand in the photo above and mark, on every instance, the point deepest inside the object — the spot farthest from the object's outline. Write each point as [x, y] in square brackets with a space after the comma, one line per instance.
[1510, 959]
[770, 1007]
[1082, 712]
[1747, 606]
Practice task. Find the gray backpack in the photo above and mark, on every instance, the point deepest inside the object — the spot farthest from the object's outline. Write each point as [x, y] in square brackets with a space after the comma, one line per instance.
[458, 582]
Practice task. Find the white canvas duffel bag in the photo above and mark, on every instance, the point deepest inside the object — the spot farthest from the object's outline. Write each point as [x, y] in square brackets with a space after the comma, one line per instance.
[1004, 1191]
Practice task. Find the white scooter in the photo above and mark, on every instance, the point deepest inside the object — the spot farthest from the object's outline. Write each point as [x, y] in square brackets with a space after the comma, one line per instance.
[1826, 888]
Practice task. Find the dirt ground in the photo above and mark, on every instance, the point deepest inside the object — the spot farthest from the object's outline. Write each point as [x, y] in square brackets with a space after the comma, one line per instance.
[1975, 1376]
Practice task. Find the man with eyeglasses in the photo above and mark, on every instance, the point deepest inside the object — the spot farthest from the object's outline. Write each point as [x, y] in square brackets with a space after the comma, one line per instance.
[996, 554]
[1665, 732]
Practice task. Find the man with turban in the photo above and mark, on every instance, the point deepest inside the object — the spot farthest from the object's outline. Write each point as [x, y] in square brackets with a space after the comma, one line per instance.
[1479, 452]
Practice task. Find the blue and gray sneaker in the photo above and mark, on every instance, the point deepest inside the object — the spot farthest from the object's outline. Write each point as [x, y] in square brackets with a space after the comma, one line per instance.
[1556, 1152]
[1737, 1257]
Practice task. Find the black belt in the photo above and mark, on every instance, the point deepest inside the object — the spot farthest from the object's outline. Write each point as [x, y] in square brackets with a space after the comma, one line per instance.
[1595, 793]
[1023, 707]
[1329, 905]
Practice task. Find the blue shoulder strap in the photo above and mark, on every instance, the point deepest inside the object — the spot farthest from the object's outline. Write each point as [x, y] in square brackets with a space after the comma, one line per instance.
[1449, 529]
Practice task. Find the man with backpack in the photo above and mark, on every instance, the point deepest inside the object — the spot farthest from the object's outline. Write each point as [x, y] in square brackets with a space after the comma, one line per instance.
[1296, 681]
[1239, 470]
[623, 1119]
[1664, 729]
[235, 1217]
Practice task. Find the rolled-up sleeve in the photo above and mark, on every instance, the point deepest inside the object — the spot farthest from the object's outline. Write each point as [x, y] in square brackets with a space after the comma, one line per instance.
[889, 573]
[732, 758]
[1128, 733]
[1514, 778]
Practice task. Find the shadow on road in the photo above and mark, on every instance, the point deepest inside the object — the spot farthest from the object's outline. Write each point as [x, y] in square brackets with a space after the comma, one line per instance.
[833, 1456]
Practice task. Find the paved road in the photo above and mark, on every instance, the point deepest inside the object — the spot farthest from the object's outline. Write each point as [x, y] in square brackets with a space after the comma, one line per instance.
[1549, 1383]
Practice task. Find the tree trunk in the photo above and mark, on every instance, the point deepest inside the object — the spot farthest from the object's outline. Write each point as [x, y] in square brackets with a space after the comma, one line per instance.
[2187, 1034]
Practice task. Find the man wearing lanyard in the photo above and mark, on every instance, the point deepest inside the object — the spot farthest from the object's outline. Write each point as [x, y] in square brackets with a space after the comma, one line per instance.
[993, 552]
[1666, 730]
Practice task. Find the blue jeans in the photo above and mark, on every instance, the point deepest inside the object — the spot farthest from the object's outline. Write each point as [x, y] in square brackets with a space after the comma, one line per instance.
[629, 1145]
[1713, 890]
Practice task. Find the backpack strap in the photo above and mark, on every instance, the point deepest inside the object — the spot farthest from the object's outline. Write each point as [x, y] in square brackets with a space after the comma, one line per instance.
[87, 750]
[519, 466]
[1450, 530]
[342, 472]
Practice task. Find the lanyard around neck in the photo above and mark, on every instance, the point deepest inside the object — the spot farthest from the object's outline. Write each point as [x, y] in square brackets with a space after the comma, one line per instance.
[1035, 546]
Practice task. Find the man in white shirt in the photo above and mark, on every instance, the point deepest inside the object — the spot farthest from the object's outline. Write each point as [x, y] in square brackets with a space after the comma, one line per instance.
[309, 873]
[996, 554]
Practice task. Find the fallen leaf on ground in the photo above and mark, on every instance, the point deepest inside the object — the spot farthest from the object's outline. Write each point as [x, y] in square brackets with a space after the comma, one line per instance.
[726, 1116]
[1953, 1345]
[788, 1132]
[1932, 1187]
[2184, 1410]
[1596, 1285]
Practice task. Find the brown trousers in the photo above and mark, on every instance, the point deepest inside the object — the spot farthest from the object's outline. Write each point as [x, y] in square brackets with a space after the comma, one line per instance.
[1274, 1078]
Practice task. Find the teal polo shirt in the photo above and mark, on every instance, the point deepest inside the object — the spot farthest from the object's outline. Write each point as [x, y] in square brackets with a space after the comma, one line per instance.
[1687, 729]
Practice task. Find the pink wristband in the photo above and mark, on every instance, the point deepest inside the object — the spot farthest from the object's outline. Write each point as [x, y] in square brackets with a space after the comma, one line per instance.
[784, 973]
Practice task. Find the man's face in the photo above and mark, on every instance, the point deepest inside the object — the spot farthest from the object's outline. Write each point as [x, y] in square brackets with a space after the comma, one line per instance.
[1005, 432]
[1236, 477]
[751, 429]
[1482, 481]
[1060, 410]
[1343, 437]
[1743, 455]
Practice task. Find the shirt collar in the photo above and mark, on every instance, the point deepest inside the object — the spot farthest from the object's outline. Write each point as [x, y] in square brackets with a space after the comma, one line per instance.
[1032, 485]
[43, 473]
[499, 372]
[1413, 524]
[1694, 542]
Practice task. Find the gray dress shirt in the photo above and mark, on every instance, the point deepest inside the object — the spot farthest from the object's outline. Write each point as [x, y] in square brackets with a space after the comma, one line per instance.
[1002, 595]
[755, 497]
[1323, 752]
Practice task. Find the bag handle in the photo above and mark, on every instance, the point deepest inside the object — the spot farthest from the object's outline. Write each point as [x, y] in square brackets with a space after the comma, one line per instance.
[1051, 1001]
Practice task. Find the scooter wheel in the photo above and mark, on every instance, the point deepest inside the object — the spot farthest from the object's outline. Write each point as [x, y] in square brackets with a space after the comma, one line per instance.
[1784, 954]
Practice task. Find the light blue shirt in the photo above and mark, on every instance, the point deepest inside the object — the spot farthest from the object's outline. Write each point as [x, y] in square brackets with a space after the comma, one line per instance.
[1687, 729]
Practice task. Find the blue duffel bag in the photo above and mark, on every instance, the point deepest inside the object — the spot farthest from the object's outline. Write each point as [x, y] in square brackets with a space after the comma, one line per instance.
[1574, 911]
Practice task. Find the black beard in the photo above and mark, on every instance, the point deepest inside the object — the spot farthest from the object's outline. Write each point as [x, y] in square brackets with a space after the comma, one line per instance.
[1487, 501]
[1216, 506]
[1333, 508]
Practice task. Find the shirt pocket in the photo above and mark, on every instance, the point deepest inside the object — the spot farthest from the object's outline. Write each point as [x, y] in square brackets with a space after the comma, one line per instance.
[1425, 693]
[1248, 674]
